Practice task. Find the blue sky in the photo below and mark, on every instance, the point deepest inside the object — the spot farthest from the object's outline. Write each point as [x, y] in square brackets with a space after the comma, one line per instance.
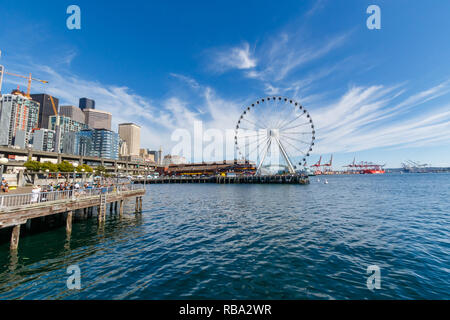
[377, 95]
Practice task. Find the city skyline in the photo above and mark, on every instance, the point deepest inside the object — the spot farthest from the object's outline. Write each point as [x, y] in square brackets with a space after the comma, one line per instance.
[377, 95]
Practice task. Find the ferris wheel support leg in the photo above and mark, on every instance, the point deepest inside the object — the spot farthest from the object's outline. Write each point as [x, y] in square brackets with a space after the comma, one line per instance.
[264, 157]
[285, 156]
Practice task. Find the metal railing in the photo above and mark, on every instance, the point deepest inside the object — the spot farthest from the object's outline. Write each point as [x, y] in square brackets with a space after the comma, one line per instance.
[18, 200]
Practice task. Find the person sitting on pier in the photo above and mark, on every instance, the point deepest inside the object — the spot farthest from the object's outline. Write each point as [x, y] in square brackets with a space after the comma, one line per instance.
[4, 185]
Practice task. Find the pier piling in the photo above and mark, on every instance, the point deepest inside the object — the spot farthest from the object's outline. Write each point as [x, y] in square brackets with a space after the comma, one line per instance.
[69, 222]
[15, 234]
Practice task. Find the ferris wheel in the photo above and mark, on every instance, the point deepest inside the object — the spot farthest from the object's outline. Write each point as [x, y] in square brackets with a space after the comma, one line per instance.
[276, 133]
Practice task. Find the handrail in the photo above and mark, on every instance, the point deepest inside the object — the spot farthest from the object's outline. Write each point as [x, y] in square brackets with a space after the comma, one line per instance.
[18, 200]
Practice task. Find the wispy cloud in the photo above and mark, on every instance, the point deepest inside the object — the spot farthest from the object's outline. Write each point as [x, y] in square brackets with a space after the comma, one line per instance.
[238, 57]
[369, 117]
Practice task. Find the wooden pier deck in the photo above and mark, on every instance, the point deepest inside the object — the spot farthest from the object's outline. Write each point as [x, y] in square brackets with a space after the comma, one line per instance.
[19, 209]
[275, 179]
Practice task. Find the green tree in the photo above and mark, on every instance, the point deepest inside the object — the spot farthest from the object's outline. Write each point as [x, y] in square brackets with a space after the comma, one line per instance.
[86, 168]
[51, 167]
[32, 165]
[100, 170]
[65, 166]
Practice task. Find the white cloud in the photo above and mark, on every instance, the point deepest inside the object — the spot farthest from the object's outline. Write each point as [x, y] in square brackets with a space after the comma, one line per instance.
[233, 58]
[363, 119]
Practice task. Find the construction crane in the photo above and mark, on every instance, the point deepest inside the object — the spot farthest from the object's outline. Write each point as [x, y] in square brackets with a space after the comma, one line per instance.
[57, 129]
[29, 78]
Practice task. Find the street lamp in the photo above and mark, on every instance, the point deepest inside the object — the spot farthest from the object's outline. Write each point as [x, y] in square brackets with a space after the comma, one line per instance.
[3, 161]
[46, 176]
[82, 176]
[75, 165]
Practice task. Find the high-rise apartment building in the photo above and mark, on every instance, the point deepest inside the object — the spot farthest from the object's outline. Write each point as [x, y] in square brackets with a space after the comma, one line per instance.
[73, 113]
[86, 103]
[97, 119]
[43, 140]
[46, 108]
[17, 113]
[131, 134]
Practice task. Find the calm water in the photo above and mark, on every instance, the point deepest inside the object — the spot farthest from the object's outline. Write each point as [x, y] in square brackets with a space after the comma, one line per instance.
[252, 242]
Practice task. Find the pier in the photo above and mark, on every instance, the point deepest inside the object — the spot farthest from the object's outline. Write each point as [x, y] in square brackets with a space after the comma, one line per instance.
[19, 209]
[273, 179]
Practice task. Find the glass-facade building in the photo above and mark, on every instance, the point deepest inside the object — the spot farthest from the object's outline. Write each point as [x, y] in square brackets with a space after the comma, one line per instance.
[100, 143]
[86, 103]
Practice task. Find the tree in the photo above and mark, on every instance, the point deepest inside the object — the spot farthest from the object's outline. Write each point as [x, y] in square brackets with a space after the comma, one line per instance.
[65, 166]
[51, 167]
[86, 168]
[32, 165]
[100, 170]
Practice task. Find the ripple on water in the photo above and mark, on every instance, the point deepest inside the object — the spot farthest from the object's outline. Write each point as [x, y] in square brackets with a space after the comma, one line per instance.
[251, 241]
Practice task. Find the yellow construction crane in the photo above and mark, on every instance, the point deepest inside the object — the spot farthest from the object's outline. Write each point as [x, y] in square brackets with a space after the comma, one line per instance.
[29, 78]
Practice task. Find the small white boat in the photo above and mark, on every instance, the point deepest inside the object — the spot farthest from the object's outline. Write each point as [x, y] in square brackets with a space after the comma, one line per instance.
[326, 181]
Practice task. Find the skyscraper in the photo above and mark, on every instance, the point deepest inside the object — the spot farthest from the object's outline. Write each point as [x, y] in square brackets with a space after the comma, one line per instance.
[97, 119]
[131, 134]
[73, 113]
[45, 109]
[86, 103]
[17, 113]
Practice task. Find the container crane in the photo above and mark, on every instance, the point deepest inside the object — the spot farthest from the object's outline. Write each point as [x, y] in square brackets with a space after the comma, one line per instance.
[328, 165]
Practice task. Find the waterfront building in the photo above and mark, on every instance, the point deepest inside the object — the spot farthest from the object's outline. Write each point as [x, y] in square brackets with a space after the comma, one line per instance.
[173, 159]
[131, 134]
[46, 108]
[97, 119]
[17, 113]
[43, 140]
[100, 143]
[86, 103]
[73, 113]
[66, 125]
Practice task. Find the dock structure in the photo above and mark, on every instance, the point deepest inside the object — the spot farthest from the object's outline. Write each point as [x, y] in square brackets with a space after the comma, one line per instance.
[19, 209]
[251, 179]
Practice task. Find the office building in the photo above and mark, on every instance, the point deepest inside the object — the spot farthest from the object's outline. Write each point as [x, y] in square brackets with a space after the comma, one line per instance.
[43, 140]
[66, 125]
[17, 113]
[131, 134]
[46, 108]
[86, 103]
[157, 155]
[100, 143]
[97, 119]
[73, 113]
